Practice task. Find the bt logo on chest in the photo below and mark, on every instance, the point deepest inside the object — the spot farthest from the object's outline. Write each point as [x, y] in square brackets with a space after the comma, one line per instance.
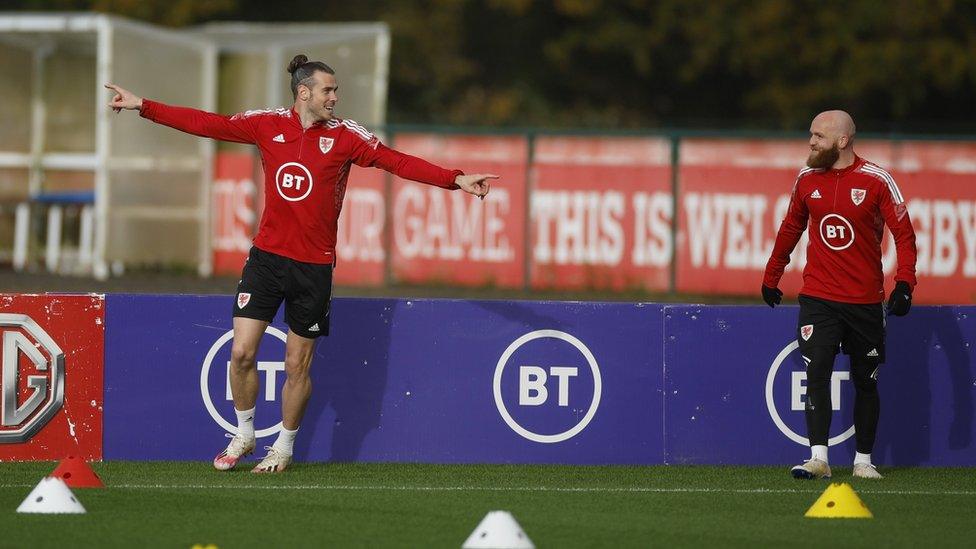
[836, 232]
[294, 181]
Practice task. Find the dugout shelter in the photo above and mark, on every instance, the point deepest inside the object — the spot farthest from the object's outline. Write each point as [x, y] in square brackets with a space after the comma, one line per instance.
[139, 191]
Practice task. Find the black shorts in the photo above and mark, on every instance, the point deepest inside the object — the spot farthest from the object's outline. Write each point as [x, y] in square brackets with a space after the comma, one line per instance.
[306, 289]
[858, 329]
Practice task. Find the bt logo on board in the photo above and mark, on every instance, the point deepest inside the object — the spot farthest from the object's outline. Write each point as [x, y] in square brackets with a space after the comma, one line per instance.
[786, 389]
[547, 386]
[215, 382]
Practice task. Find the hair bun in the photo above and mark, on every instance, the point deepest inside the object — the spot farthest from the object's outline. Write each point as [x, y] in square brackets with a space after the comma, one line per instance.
[297, 62]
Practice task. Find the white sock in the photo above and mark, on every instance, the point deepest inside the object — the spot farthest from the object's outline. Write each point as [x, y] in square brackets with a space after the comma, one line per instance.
[286, 441]
[862, 458]
[819, 452]
[245, 422]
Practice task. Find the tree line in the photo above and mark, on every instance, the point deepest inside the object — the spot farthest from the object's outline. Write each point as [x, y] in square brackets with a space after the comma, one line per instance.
[897, 65]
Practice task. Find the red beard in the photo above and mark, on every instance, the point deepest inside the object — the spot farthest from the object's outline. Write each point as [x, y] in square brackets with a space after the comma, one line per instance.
[824, 158]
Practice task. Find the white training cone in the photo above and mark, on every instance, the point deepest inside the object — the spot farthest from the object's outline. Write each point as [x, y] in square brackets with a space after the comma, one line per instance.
[51, 495]
[498, 530]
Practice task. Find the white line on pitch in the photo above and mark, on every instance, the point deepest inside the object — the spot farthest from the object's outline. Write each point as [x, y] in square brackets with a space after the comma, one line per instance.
[633, 489]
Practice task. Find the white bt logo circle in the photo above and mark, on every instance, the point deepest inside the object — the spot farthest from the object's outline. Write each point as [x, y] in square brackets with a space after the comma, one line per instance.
[294, 181]
[269, 370]
[836, 232]
[532, 385]
[798, 392]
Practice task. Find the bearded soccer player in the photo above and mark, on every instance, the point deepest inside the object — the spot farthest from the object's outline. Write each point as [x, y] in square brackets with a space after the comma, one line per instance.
[846, 202]
[306, 153]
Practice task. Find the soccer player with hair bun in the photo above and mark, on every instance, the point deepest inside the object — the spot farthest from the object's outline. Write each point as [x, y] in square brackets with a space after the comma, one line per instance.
[307, 152]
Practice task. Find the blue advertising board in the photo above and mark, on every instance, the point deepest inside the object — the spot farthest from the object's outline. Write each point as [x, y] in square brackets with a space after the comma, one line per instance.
[533, 382]
[735, 385]
[397, 380]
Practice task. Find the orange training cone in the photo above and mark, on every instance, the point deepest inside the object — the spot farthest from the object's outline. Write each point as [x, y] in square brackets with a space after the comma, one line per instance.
[77, 474]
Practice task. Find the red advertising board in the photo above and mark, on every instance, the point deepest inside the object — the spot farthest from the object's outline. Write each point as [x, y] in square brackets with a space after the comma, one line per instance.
[360, 247]
[52, 376]
[939, 182]
[237, 204]
[601, 213]
[453, 237]
[734, 195]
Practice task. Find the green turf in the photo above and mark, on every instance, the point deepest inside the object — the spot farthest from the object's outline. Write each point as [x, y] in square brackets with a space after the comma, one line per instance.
[390, 505]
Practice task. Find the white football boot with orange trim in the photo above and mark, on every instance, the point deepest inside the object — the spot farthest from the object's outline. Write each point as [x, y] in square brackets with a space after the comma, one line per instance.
[866, 470]
[811, 469]
[239, 447]
[274, 462]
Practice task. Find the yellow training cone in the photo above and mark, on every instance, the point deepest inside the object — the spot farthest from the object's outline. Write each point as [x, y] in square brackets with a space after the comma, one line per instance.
[839, 500]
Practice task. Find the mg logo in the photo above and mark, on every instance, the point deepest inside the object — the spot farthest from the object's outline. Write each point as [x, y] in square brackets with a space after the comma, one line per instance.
[547, 386]
[33, 378]
[215, 382]
[788, 392]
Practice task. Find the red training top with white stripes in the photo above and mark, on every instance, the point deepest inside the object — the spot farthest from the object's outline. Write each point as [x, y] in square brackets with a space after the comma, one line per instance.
[305, 170]
[847, 211]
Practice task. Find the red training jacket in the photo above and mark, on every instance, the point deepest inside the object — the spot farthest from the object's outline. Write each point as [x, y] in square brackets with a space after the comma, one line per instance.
[847, 211]
[305, 171]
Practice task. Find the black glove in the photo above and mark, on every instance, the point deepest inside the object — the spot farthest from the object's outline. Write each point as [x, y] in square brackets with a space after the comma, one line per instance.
[772, 296]
[900, 300]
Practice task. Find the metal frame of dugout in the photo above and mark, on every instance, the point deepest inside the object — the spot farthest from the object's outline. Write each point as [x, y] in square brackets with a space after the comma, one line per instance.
[253, 58]
[141, 191]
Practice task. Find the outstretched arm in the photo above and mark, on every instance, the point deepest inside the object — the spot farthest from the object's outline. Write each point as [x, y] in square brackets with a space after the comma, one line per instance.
[476, 183]
[241, 128]
[124, 99]
[368, 151]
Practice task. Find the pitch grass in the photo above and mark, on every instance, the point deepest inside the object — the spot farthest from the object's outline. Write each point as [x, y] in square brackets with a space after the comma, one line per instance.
[411, 505]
